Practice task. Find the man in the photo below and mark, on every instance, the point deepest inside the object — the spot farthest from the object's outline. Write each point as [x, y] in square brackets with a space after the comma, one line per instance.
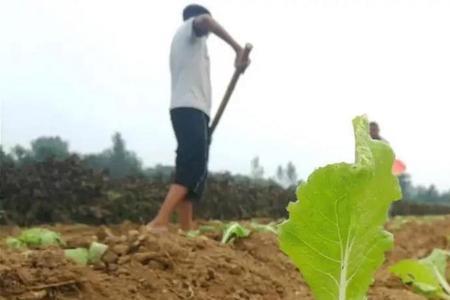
[190, 111]
[399, 167]
[375, 132]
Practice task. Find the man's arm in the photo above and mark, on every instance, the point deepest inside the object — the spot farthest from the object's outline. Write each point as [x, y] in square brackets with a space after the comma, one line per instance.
[205, 23]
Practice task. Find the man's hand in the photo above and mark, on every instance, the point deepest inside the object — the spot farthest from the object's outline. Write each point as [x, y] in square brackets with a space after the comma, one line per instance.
[242, 61]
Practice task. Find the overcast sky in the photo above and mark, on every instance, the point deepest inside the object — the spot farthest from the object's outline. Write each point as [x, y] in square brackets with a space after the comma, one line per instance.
[84, 69]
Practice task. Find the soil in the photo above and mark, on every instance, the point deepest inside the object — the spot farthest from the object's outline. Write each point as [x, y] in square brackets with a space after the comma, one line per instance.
[172, 266]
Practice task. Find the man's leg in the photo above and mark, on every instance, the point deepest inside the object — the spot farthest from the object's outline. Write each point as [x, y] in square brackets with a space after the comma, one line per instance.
[191, 131]
[176, 196]
[198, 171]
[185, 212]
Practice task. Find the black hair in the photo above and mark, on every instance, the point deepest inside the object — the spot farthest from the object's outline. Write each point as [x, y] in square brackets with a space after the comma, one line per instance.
[375, 124]
[194, 10]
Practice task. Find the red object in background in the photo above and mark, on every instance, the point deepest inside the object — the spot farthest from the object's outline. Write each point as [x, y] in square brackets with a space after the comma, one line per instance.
[398, 167]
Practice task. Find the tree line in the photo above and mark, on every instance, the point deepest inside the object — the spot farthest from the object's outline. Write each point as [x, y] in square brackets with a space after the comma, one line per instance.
[117, 160]
[120, 162]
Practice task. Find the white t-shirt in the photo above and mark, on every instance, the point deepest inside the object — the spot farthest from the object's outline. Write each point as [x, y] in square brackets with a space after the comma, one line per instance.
[190, 71]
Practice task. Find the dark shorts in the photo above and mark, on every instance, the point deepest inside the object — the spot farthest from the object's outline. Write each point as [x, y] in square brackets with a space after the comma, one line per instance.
[191, 127]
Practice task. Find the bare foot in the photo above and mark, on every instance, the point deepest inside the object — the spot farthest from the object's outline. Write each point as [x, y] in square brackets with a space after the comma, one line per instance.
[192, 226]
[153, 227]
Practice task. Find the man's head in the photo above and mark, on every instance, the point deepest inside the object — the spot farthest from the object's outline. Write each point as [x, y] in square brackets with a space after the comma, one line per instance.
[194, 10]
[374, 130]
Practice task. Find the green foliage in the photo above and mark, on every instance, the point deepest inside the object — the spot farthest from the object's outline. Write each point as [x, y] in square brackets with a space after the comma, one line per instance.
[204, 229]
[406, 186]
[280, 175]
[232, 231]
[98, 161]
[211, 228]
[62, 191]
[22, 156]
[117, 160]
[193, 233]
[78, 255]
[335, 232]
[5, 158]
[256, 170]
[287, 177]
[96, 251]
[426, 275]
[41, 237]
[160, 173]
[431, 194]
[291, 174]
[45, 148]
[42, 149]
[422, 194]
[84, 256]
[36, 237]
[122, 162]
[271, 227]
[15, 244]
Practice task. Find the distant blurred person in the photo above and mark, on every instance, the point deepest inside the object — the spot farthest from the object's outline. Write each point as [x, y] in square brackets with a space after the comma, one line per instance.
[375, 132]
[399, 166]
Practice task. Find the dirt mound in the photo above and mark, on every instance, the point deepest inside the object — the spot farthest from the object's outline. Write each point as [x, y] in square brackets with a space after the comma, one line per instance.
[42, 274]
[172, 266]
[147, 266]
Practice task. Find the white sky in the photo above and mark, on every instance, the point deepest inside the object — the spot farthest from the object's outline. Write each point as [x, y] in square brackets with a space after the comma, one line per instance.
[84, 69]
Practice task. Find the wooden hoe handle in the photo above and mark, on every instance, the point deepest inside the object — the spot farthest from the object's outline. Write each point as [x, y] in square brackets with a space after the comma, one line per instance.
[229, 91]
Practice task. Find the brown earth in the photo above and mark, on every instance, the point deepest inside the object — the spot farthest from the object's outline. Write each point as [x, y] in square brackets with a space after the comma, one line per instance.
[171, 266]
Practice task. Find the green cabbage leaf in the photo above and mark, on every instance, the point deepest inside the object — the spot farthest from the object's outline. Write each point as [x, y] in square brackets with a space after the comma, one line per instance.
[334, 233]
